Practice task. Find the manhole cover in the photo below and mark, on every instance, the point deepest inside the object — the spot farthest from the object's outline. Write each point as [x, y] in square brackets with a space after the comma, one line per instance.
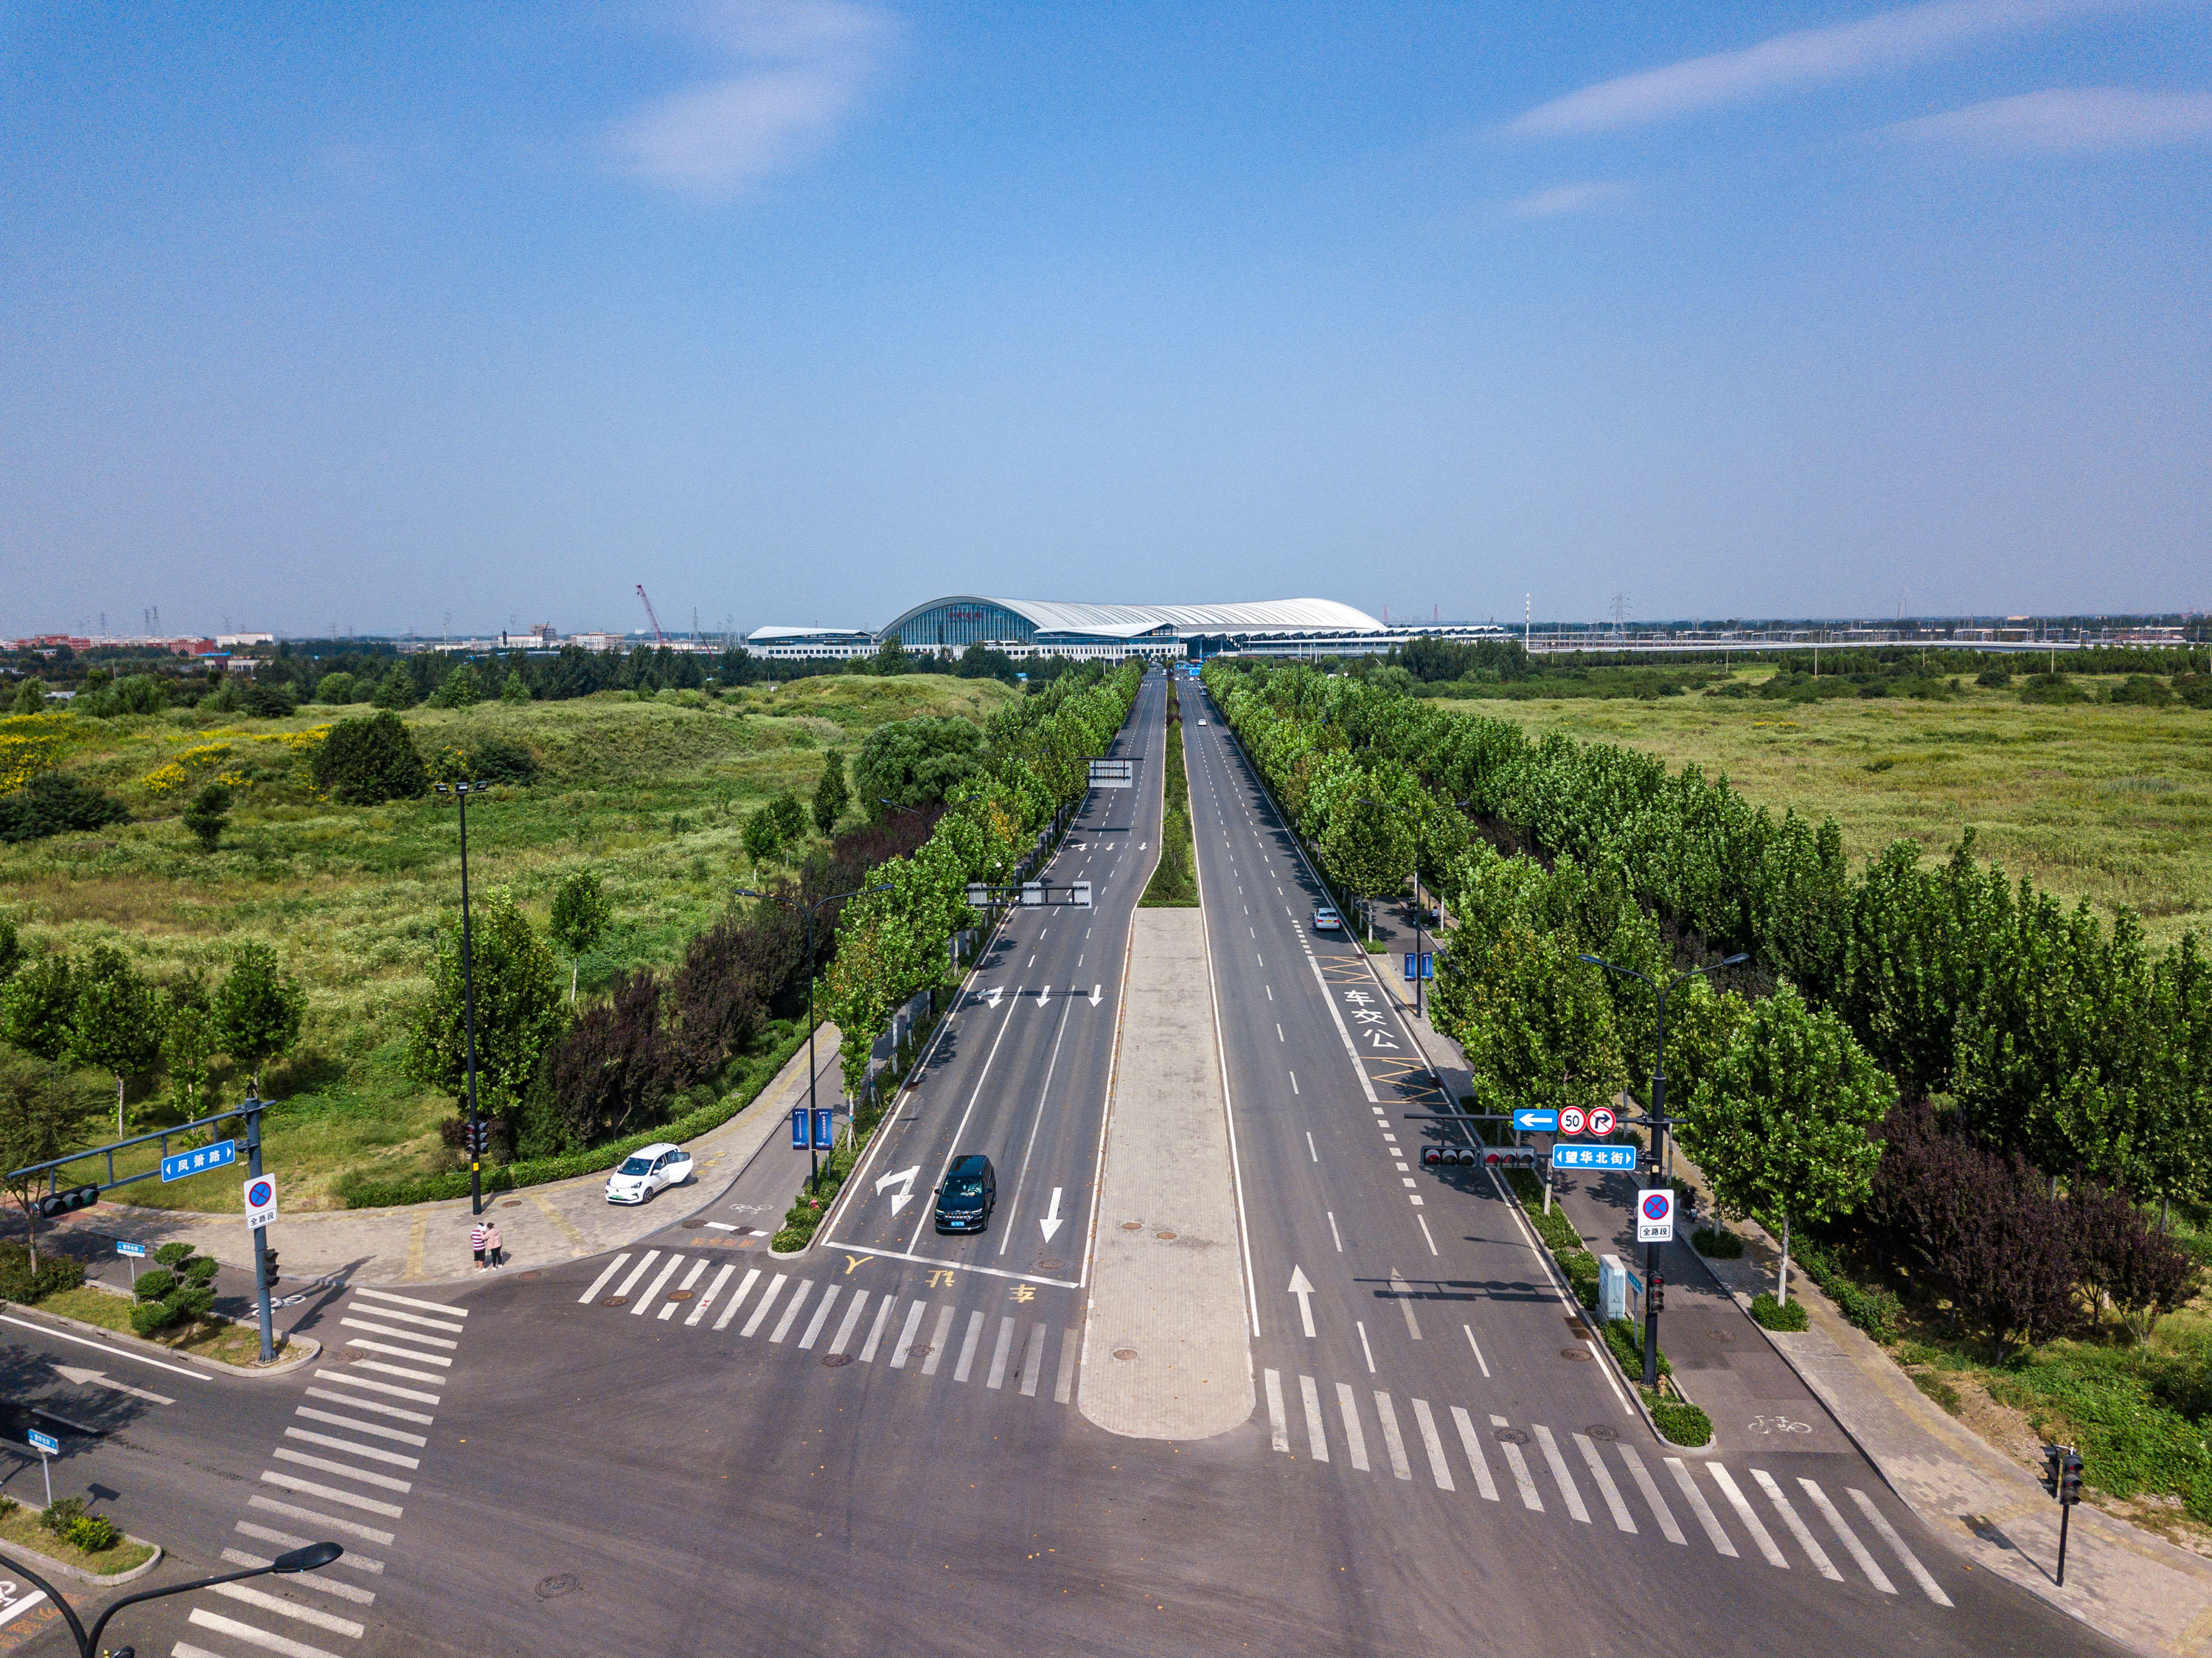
[531, 1276]
[560, 1583]
[681, 1294]
[1719, 1335]
[833, 1360]
[1050, 1264]
[1133, 1226]
[1511, 1436]
[1582, 1353]
[1125, 1354]
[920, 1350]
[1600, 1431]
[1165, 1237]
[693, 1225]
[512, 1203]
[614, 1301]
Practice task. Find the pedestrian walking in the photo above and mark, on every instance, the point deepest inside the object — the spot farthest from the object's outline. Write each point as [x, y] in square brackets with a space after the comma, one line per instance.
[479, 1235]
[494, 1245]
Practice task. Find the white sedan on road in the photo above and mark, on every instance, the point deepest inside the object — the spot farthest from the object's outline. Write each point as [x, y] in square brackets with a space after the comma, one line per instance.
[647, 1171]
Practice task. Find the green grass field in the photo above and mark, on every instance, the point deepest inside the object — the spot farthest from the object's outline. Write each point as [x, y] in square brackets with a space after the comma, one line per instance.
[651, 795]
[2109, 803]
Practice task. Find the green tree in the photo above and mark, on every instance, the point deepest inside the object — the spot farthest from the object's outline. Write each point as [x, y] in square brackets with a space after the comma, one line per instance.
[890, 656]
[257, 1009]
[337, 689]
[55, 802]
[367, 762]
[831, 795]
[915, 762]
[515, 692]
[44, 1111]
[462, 688]
[188, 1042]
[582, 914]
[518, 1006]
[205, 817]
[1369, 848]
[1780, 1125]
[117, 1026]
[31, 697]
[38, 1007]
[790, 816]
[397, 690]
[760, 836]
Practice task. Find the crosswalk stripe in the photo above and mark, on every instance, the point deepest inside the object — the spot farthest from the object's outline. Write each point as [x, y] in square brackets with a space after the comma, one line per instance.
[331, 1494]
[968, 1347]
[1279, 1426]
[312, 1615]
[399, 1334]
[1033, 1363]
[323, 1521]
[1439, 1470]
[1316, 1435]
[876, 1329]
[821, 1316]
[1880, 1521]
[1519, 1464]
[449, 1311]
[761, 1308]
[937, 1335]
[698, 1272]
[1355, 1436]
[637, 1272]
[1393, 1440]
[1698, 1506]
[352, 1425]
[353, 1559]
[1649, 1487]
[1806, 1541]
[851, 1321]
[1749, 1515]
[905, 1343]
[737, 1297]
[1848, 1538]
[1607, 1489]
[256, 1638]
[1063, 1387]
[653, 1295]
[791, 1309]
[378, 1309]
[407, 1353]
[373, 1452]
[316, 1581]
[998, 1354]
[1475, 1459]
[355, 1403]
[1559, 1464]
[707, 1300]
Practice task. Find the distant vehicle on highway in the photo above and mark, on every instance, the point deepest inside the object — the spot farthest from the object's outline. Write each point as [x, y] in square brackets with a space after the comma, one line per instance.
[647, 1171]
[1325, 920]
[969, 1195]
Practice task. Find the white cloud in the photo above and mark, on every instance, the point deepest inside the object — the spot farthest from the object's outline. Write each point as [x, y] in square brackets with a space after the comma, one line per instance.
[1803, 57]
[1565, 199]
[2066, 119]
[793, 70]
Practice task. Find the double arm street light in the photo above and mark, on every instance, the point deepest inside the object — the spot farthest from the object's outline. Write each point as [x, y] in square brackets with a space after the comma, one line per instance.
[1659, 1122]
[813, 1154]
[461, 792]
[314, 1557]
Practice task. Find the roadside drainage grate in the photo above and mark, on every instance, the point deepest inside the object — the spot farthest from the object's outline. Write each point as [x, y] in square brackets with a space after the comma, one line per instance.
[833, 1360]
[1582, 1353]
[681, 1294]
[1164, 1237]
[1511, 1436]
[614, 1301]
[560, 1583]
[1125, 1354]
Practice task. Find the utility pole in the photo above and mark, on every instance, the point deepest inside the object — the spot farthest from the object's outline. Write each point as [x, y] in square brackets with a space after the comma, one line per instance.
[261, 1255]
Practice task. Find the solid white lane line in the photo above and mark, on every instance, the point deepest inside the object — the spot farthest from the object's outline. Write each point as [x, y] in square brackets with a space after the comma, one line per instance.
[384, 1388]
[1036, 1121]
[644, 1265]
[1607, 1489]
[308, 1580]
[352, 1559]
[1649, 1487]
[1783, 1506]
[374, 1454]
[377, 1310]
[283, 1644]
[1033, 1363]
[1362, 1327]
[937, 1343]
[1064, 1383]
[968, 1347]
[310, 1615]
[745, 1288]
[998, 1354]
[355, 1426]
[960, 1133]
[1473, 1447]
[851, 1321]
[653, 1295]
[1354, 1435]
[1478, 1359]
[1880, 1521]
[1278, 1424]
[821, 1316]
[1316, 1434]
[1698, 1506]
[345, 1470]
[102, 1347]
[791, 1309]
[1393, 1440]
[1439, 1469]
[1848, 1538]
[415, 1302]
[707, 1299]
[320, 1522]
[905, 1343]
[600, 1282]
[332, 1494]
[1521, 1478]
[1559, 1464]
[1748, 1515]
[767, 1302]
[876, 1329]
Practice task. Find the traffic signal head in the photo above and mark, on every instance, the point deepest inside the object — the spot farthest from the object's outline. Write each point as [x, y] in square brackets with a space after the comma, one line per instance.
[2054, 1457]
[62, 1203]
[1655, 1294]
[2069, 1478]
[268, 1263]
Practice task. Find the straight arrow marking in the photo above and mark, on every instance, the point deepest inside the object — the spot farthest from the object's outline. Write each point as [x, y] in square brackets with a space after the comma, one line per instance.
[1095, 990]
[1302, 1290]
[1051, 1221]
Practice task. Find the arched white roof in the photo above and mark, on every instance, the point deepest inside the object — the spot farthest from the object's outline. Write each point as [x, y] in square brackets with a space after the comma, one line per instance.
[1127, 621]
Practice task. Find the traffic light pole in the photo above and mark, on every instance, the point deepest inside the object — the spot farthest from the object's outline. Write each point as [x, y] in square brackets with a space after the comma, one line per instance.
[260, 1233]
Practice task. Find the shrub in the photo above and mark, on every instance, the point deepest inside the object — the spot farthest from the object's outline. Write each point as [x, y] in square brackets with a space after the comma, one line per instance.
[267, 702]
[337, 689]
[1625, 1337]
[367, 762]
[1778, 1315]
[1681, 1422]
[1994, 679]
[19, 1283]
[201, 1272]
[62, 1513]
[2142, 691]
[93, 1533]
[154, 1285]
[54, 803]
[173, 1255]
[1717, 1242]
[8, 1505]
[500, 760]
[149, 1319]
[2051, 688]
[205, 817]
[1874, 1311]
[397, 690]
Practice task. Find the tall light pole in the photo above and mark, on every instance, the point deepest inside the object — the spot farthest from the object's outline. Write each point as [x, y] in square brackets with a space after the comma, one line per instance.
[461, 792]
[1659, 1122]
[813, 1156]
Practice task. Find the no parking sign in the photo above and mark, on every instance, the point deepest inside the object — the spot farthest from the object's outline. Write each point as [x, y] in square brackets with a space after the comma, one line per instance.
[260, 1201]
[1655, 1215]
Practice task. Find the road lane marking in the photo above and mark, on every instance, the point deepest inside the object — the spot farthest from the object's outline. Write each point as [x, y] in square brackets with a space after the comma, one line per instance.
[737, 1299]
[1332, 1232]
[1475, 1459]
[1559, 1466]
[451, 1312]
[1607, 1489]
[1478, 1359]
[960, 1133]
[1063, 1385]
[1649, 1487]
[968, 1347]
[320, 1520]
[1423, 1220]
[283, 1644]
[1747, 1514]
[344, 1470]
[1847, 1537]
[904, 1345]
[1311, 1152]
[1354, 1436]
[791, 1309]
[373, 1452]
[103, 1347]
[1404, 1293]
[876, 1329]
[600, 1282]
[1037, 1122]
[1698, 1506]
[1522, 1479]
[1360, 1324]
[699, 1308]
[821, 1316]
[659, 1284]
[331, 1494]
[352, 1559]
[385, 1388]
[970, 1267]
[1316, 1435]
[1880, 1521]
[1278, 1424]
[1033, 1363]
[1783, 1506]
[936, 1353]
[852, 1321]
[998, 1354]
[18, 1608]
[355, 1426]
[312, 1616]
[315, 1580]
[637, 1272]
[367, 1346]
[1393, 1440]
[398, 1317]
[697, 1272]
[1439, 1470]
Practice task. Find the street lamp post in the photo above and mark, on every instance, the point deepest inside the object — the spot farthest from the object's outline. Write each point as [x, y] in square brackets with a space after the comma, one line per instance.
[1659, 1122]
[461, 792]
[813, 1156]
[1418, 998]
[314, 1557]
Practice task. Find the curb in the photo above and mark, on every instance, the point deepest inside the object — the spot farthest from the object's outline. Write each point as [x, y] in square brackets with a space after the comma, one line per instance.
[140, 1348]
[61, 1569]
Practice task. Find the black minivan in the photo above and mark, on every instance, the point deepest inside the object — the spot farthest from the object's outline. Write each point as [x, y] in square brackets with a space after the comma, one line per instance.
[970, 1191]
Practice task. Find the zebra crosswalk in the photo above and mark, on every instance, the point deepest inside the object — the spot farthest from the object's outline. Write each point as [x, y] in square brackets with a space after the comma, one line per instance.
[839, 1322]
[1550, 1477]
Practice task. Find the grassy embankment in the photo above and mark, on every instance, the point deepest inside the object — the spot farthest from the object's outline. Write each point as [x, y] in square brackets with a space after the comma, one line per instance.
[651, 794]
[1174, 884]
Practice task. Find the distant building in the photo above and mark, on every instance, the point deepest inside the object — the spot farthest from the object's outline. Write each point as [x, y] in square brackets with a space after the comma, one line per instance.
[797, 644]
[235, 641]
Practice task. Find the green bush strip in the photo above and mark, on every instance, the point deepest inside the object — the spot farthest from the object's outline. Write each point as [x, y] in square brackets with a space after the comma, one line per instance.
[1173, 884]
[1770, 1315]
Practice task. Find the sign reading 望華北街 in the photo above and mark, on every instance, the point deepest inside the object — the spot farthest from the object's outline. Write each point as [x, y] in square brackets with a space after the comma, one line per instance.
[1655, 1215]
[1594, 1156]
[221, 1154]
[260, 1201]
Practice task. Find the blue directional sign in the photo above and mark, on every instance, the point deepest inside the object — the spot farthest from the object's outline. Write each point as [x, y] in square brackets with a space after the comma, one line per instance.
[125, 1246]
[1536, 1122]
[1428, 965]
[825, 1129]
[1594, 1156]
[45, 1442]
[798, 1136]
[221, 1154]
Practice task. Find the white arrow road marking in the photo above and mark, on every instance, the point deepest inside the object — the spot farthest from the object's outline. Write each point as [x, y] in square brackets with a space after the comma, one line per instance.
[1094, 995]
[1043, 993]
[1051, 1221]
[904, 1181]
[99, 1379]
[1303, 1291]
[996, 991]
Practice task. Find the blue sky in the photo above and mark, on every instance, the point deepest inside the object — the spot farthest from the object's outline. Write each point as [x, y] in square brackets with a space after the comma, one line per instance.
[806, 310]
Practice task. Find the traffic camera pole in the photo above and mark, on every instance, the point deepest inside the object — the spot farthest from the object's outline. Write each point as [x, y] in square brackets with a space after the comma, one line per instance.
[260, 1233]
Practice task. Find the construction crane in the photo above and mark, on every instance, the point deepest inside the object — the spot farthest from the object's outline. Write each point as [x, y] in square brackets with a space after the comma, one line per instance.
[659, 638]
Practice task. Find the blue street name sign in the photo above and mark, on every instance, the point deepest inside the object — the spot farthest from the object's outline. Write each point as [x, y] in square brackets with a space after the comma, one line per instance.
[1594, 1156]
[44, 1441]
[136, 1251]
[825, 1129]
[221, 1154]
[1536, 1122]
[799, 1128]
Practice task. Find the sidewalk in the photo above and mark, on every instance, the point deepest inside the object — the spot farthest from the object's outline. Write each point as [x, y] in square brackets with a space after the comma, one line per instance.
[428, 1243]
[2120, 1579]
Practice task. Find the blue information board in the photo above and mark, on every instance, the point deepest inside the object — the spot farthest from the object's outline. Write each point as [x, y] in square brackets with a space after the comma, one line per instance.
[1536, 1122]
[125, 1246]
[799, 1128]
[1594, 1156]
[1428, 965]
[825, 1129]
[45, 1442]
[221, 1154]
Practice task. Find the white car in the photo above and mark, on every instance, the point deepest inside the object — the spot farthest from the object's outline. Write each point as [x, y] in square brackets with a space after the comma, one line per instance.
[646, 1171]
